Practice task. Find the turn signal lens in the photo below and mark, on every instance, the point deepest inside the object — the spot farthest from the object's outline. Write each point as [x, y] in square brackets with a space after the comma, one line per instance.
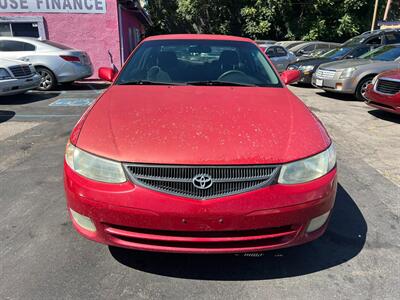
[82, 221]
[317, 222]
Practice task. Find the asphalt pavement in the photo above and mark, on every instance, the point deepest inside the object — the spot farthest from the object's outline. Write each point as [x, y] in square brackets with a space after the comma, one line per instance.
[42, 257]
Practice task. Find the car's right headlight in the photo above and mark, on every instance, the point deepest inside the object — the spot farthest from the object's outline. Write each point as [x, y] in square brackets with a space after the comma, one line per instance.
[4, 74]
[308, 169]
[94, 167]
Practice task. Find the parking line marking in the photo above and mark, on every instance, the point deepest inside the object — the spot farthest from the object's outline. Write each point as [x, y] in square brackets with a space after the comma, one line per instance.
[72, 102]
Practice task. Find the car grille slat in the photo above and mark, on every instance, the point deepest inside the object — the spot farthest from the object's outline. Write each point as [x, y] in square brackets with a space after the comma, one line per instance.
[20, 71]
[178, 179]
[325, 74]
[387, 86]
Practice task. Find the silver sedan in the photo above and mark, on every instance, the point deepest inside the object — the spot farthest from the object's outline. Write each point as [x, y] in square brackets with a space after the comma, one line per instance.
[56, 63]
[352, 76]
[279, 56]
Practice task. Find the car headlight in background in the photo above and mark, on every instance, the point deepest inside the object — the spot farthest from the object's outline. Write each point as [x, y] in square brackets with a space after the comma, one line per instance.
[94, 167]
[310, 168]
[347, 73]
[4, 74]
[306, 69]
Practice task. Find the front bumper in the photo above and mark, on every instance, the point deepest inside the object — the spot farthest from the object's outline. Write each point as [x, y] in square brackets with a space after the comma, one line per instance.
[134, 217]
[345, 86]
[390, 103]
[19, 85]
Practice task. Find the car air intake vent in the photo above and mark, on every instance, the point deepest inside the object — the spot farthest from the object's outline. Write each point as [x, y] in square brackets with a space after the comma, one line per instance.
[21, 71]
[388, 86]
[201, 182]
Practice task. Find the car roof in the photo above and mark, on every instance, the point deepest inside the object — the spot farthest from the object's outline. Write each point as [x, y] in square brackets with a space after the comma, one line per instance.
[198, 37]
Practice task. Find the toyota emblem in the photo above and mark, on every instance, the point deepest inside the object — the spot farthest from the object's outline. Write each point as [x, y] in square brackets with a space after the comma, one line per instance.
[202, 181]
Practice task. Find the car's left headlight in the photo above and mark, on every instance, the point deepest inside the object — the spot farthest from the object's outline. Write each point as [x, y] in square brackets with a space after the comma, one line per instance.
[4, 74]
[306, 68]
[94, 167]
[308, 169]
[347, 73]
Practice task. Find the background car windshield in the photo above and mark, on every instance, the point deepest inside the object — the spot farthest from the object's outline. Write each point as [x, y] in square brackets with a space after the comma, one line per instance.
[354, 41]
[197, 61]
[386, 53]
[336, 53]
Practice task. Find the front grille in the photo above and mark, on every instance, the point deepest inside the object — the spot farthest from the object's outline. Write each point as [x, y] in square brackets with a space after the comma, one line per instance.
[185, 180]
[325, 74]
[387, 86]
[21, 71]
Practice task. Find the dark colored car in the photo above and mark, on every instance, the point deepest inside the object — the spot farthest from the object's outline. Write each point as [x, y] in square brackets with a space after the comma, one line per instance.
[309, 66]
[307, 47]
[384, 92]
[376, 37]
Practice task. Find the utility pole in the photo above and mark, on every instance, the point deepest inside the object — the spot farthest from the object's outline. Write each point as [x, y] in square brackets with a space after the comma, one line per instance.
[388, 4]
[375, 13]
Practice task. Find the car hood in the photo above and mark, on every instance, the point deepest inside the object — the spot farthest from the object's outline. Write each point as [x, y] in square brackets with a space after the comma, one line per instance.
[351, 63]
[393, 74]
[5, 62]
[201, 125]
[312, 61]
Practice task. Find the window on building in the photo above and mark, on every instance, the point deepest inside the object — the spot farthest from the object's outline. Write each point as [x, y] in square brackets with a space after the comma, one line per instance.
[28, 29]
[11, 46]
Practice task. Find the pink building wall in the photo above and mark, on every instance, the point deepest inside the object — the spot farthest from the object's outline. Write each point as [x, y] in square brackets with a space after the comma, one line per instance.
[93, 33]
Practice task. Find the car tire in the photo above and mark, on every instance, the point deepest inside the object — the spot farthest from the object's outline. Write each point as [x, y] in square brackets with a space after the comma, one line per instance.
[48, 81]
[362, 86]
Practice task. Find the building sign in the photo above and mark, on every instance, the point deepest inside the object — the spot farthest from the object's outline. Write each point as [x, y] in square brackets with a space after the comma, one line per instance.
[54, 6]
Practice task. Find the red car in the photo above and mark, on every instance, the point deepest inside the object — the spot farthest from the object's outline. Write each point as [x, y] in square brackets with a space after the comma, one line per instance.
[384, 92]
[199, 147]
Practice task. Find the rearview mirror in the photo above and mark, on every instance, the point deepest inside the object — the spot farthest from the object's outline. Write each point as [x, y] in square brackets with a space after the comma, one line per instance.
[107, 74]
[290, 76]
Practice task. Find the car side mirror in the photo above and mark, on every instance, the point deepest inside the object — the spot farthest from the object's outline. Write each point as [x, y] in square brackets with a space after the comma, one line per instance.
[290, 76]
[107, 74]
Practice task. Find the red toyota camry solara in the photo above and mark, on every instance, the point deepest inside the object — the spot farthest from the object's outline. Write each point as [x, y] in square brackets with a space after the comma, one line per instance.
[199, 147]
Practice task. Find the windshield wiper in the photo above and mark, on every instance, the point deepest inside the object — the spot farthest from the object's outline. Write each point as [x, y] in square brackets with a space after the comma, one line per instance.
[218, 83]
[147, 82]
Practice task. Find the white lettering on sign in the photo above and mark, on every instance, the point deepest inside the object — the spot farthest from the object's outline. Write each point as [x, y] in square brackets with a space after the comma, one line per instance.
[54, 6]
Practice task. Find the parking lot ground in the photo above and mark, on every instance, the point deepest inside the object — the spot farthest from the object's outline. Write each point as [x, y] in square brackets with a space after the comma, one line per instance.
[41, 257]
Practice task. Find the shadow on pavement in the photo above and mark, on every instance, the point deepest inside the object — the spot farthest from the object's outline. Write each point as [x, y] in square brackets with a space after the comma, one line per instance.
[27, 98]
[6, 115]
[386, 116]
[337, 96]
[343, 240]
[83, 86]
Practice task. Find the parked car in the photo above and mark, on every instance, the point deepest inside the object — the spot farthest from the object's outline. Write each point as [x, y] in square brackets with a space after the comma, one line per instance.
[289, 44]
[56, 63]
[314, 53]
[375, 37]
[354, 75]
[384, 92]
[310, 65]
[279, 56]
[265, 42]
[17, 77]
[194, 156]
[307, 47]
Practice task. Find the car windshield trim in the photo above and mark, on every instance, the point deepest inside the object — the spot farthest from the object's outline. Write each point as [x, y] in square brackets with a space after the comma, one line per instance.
[219, 83]
[148, 82]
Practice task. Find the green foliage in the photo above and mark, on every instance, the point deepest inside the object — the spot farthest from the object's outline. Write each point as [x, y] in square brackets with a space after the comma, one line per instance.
[327, 20]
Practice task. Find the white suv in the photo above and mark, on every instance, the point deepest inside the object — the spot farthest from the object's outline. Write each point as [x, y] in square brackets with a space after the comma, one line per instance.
[17, 77]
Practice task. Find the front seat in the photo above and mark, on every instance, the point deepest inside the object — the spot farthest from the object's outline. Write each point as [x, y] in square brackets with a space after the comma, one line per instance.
[228, 60]
[168, 62]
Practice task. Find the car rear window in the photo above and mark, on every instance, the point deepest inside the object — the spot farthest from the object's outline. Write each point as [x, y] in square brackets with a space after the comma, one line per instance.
[56, 45]
[190, 61]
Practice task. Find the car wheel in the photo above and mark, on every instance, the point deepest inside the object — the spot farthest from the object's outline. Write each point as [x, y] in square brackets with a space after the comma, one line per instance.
[48, 81]
[362, 87]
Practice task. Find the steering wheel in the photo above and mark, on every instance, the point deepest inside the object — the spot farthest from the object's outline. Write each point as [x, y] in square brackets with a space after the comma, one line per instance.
[233, 73]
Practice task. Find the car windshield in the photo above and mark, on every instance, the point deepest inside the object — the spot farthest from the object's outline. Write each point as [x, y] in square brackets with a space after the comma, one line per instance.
[354, 41]
[385, 53]
[336, 53]
[199, 62]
